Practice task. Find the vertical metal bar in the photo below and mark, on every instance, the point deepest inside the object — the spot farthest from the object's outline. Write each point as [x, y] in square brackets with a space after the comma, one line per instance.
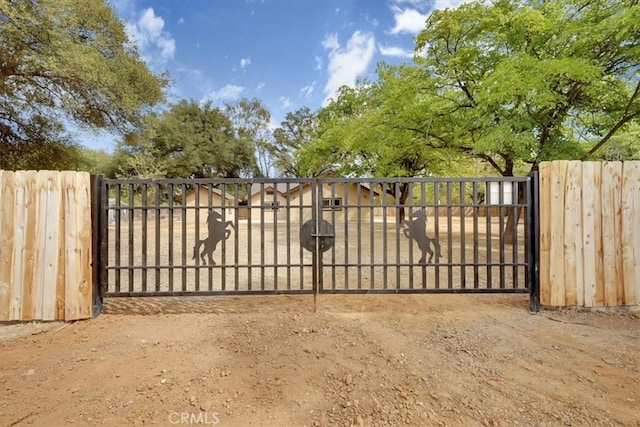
[223, 246]
[170, 219]
[318, 252]
[209, 210]
[449, 235]
[410, 242]
[515, 198]
[463, 218]
[183, 210]
[96, 234]
[385, 234]
[196, 216]
[250, 193]
[144, 236]
[301, 209]
[262, 227]
[130, 232]
[347, 206]
[288, 189]
[436, 223]
[372, 240]
[476, 239]
[158, 192]
[104, 238]
[314, 260]
[276, 211]
[423, 202]
[501, 238]
[333, 221]
[118, 207]
[399, 208]
[489, 234]
[359, 232]
[236, 250]
[532, 240]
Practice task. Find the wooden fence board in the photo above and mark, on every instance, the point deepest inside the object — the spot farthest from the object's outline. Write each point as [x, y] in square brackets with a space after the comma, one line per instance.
[62, 251]
[545, 174]
[611, 181]
[18, 247]
[630, 238]
[557, 232]
[71, 276]
[574, 288]
[597, 188]
[7, 191]
[588, 236]
[29, 221]
[39, 278]
[52, 246]
[84, 287]
[635, 298]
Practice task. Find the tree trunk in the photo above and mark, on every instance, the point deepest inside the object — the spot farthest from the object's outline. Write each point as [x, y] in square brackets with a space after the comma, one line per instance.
[509, 233]
[399, 192]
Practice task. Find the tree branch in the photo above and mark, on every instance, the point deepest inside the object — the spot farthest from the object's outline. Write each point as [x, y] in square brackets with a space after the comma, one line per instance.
[626, 117]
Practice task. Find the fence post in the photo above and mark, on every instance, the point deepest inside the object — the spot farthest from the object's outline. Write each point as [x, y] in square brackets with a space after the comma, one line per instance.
[534, 242]
[97, 224]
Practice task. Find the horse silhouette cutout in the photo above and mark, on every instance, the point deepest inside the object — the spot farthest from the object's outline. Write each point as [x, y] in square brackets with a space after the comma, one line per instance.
[218, 232]
[416, 230]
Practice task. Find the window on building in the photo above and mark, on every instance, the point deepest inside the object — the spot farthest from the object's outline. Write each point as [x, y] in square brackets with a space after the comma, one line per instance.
[273, 205]
[332, 204]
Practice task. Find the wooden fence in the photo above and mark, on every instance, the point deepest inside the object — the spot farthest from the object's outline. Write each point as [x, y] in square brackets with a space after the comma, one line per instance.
[45, 246]
[589, 234]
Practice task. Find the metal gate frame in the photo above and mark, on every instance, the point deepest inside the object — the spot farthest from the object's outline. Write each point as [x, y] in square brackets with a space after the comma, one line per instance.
[319, 264]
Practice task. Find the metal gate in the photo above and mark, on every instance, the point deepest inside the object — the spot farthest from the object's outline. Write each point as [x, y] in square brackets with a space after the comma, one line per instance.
[392, 235]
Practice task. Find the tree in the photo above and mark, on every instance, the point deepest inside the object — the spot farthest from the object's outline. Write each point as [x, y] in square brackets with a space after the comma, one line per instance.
[296, 131]
[625, 145]
[190, 140]
[527, 81]
[64, 62]
[359, 136]
[251, 120]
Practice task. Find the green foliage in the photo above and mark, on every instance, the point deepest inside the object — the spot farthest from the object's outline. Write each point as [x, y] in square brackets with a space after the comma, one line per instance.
[532, 81]
[251, 120]
[510, 83]
[189, 140]
[625, 145]
[295, 133]
[62, 62]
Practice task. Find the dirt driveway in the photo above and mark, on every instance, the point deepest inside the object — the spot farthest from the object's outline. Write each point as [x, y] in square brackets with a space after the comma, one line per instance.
[372, 360]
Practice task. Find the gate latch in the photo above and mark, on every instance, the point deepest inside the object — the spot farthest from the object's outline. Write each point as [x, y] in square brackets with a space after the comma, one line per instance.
[325, 235]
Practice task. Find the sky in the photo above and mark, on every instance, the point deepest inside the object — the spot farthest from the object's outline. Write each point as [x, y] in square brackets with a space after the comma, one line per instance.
[287, 53]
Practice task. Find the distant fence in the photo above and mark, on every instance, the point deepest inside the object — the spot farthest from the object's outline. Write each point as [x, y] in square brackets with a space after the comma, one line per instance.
[589, 233]
[45, 246]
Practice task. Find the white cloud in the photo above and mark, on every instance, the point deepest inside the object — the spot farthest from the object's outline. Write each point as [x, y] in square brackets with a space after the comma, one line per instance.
[307, 91]
[244, 62]
[410, 15]
[408, 21]
[395, 51]
[347, 63]
[181, 21]
[448, 4]
[155, 44]
[285, 103]
[228, 92]
[261, 86]
[319, 63]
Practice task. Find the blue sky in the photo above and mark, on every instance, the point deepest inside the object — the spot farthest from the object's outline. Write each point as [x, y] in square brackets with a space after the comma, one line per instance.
[287, 53]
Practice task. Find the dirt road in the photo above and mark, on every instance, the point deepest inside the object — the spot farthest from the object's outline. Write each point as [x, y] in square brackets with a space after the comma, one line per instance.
[373, 360]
